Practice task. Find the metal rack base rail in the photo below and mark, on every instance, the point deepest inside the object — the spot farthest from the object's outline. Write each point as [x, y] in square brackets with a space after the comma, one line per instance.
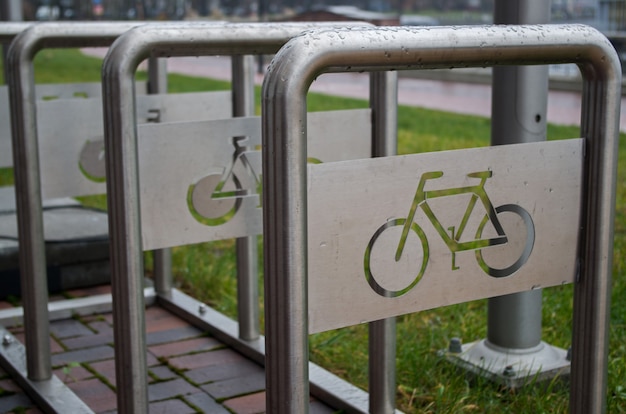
[123, 183]
[285, 179]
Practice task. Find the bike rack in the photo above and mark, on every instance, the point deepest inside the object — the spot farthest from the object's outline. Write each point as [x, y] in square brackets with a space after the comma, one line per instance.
[73, 35]
[36, 377]
[363, 49]
[123, 185]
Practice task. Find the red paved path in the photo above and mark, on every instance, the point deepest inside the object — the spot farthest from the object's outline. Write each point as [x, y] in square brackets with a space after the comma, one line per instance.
[189, 371]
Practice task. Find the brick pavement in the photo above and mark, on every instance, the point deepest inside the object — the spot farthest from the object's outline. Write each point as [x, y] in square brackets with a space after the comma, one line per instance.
[189, 371]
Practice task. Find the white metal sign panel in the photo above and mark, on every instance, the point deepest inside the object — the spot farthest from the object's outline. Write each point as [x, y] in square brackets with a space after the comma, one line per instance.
[205, 184]
[191, 106]
[71, 147]
[71, 135]
[46, 92]
[6, 152]
[390, 236]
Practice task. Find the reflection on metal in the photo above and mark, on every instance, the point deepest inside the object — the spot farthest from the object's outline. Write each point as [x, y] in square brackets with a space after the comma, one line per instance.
[458, 246]
[285, 182]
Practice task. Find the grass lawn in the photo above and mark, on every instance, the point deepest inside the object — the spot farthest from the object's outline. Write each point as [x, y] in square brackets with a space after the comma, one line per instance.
[426, 383]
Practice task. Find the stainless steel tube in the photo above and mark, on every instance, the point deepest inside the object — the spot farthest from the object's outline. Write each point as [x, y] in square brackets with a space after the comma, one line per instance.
[247, 249]
[27, 177]
[518, 114]
[382, 334]
[285, 182]
[162, 258]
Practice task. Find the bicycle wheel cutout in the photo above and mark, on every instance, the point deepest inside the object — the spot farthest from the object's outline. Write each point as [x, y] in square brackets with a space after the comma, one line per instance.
[209, 209]
[380, 258]
[528, 242]
[91, 161]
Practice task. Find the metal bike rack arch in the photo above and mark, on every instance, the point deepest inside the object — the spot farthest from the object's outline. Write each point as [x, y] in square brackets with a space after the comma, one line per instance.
[37, 376]
[285, 181]
[83, 34]
[8, 30]
[123, 184]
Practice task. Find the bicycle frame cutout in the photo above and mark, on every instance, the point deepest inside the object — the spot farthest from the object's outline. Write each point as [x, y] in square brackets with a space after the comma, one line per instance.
[452, 240]
[215, 199]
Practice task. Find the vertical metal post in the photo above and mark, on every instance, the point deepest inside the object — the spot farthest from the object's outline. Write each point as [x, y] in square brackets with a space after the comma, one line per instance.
[592, 288]
[124, 232]
[28, 201]
[285, 248]
[242, 68]
[162, 258]
[157, 75]
[11, 10]
[519, 102]
[382, 334]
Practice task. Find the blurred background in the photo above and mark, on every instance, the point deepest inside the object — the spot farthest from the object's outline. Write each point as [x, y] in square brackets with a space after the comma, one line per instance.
[604, 14]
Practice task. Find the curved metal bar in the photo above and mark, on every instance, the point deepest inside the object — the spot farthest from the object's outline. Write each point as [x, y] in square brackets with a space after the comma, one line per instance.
[285, 182]
[26, 166]
[8, 30]
[118, 71]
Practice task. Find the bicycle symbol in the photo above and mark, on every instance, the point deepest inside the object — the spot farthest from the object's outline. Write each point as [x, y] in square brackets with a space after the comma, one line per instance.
[452, 240]
[91, 160]
[215, 199]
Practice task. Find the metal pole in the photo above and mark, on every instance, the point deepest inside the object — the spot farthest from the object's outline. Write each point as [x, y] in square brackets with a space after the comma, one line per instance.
[242, 68]
[513, 348]
[11, 10]
[162, 258]
[382, 334]
[518, 114]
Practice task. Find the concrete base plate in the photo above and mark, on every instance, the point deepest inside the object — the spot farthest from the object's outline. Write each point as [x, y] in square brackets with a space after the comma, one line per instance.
[510, 367]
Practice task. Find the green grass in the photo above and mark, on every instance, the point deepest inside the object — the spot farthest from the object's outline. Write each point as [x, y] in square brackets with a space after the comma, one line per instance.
[425, 382]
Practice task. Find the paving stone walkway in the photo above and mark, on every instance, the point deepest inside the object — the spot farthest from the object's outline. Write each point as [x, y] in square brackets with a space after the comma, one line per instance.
[189, 371]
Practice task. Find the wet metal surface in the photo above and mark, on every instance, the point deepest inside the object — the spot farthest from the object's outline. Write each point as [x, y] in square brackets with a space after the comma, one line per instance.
[459, 97]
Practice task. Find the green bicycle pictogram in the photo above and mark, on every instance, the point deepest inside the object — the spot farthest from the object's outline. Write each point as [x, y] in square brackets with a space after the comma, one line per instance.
[215, 198]
[414, 235]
